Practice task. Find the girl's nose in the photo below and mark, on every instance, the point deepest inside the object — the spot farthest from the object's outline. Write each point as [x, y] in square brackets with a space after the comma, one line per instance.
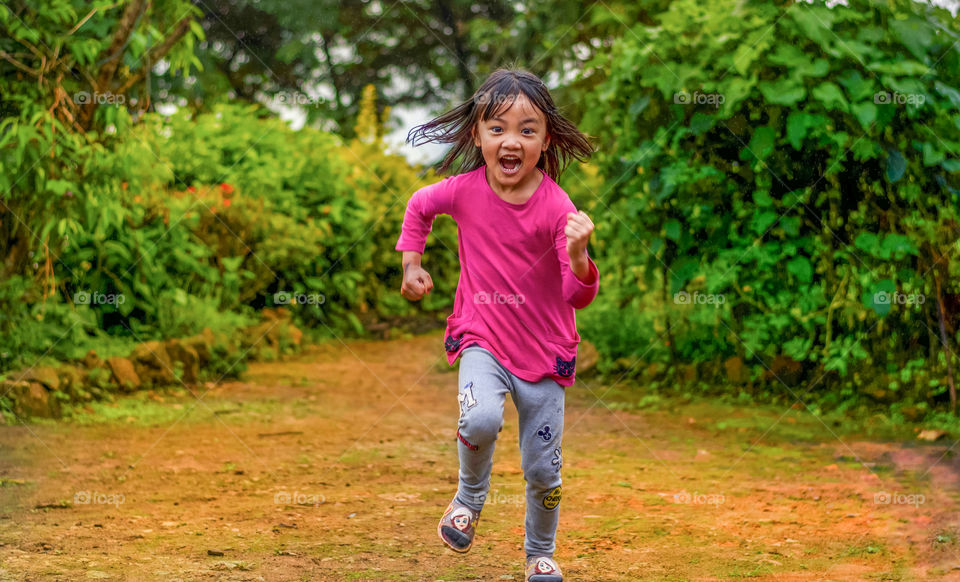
[511, 142]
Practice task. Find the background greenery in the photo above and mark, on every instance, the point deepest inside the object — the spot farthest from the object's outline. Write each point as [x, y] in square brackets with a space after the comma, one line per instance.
[791, 168]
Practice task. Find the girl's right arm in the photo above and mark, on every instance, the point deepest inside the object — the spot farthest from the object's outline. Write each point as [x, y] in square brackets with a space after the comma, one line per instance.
[416, 280]
[423, 207]
[425, 204]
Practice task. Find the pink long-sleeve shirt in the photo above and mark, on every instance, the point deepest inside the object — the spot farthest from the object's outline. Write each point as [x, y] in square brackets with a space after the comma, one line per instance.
[516, 295]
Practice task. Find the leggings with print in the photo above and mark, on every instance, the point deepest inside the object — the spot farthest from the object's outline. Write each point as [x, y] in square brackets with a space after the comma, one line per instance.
[484, 384]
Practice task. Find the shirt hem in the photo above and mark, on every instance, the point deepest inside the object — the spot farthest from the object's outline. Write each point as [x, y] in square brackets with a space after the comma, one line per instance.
[523, 374]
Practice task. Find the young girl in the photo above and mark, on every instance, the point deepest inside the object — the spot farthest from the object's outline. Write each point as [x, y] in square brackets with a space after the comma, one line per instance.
[524, 269]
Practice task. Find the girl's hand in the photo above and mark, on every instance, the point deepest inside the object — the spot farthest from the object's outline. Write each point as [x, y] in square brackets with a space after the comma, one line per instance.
[578, 229]
[416, 282]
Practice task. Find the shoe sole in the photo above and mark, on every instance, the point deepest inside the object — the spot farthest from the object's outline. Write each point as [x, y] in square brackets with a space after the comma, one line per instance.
[450, 544]
[545, 578]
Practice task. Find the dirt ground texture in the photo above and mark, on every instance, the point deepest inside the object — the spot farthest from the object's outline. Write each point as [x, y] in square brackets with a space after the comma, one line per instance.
[336, 465]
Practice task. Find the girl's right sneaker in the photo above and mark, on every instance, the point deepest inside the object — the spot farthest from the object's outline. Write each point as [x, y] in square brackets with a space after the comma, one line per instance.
[458, 526]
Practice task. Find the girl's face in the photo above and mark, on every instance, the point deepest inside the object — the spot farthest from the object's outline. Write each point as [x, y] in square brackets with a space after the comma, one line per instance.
[512, 140]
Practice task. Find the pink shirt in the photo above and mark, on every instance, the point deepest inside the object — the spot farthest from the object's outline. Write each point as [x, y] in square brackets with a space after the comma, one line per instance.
[517, 295]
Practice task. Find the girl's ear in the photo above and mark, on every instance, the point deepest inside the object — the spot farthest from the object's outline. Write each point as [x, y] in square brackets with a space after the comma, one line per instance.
[473, 133]
[546, 143]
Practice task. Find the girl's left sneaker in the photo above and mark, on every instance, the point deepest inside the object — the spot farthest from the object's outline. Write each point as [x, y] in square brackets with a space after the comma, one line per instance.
[543, 569]
[458, 526]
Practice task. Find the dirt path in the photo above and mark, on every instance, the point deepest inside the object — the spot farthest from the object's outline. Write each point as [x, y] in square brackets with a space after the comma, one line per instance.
[336, 466]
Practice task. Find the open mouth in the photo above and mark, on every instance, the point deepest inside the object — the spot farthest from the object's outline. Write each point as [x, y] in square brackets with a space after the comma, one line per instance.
[510, 164]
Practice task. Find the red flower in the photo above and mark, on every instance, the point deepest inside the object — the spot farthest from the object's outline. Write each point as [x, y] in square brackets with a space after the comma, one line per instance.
[191, 189]
[226, 203]
[227, 188]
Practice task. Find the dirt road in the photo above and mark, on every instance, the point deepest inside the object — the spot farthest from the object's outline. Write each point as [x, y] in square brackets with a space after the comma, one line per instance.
[337, 465]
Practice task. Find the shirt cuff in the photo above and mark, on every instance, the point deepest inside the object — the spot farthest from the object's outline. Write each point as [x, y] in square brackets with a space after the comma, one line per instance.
[592, 275]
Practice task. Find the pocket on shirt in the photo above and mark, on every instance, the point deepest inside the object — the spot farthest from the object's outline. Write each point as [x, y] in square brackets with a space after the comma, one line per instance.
[563, 354]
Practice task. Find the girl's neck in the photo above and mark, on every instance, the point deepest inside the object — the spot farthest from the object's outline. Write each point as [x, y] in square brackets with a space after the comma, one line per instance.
[521, 191]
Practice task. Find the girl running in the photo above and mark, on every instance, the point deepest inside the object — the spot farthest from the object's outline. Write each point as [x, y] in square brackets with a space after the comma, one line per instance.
[524, 270]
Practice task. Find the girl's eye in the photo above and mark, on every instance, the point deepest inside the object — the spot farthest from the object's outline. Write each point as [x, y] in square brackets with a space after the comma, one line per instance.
[495, 129]
[528, 129]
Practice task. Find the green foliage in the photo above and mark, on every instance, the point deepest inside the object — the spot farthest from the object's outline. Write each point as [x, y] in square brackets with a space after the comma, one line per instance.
[385, 182]
[797, 164]
[232, 212]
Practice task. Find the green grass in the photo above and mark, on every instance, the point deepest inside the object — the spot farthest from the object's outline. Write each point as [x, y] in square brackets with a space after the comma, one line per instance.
[745, 418]
[178, 406]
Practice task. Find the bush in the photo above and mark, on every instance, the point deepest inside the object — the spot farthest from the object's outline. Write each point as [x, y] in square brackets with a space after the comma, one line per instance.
[781, 175]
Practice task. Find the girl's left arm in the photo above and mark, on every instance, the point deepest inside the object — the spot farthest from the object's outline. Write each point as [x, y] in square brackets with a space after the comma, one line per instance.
[580, 277]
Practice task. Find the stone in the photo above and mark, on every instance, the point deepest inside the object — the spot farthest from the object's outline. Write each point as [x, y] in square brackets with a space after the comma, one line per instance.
[43, 374]
[295, 335]
[199, 345]
[71, 380]
[152, 363]
[931, 435]
[182, 352]
[784, 369]
[124, 373]
[737, 373]
[92, 360]
[31, 399]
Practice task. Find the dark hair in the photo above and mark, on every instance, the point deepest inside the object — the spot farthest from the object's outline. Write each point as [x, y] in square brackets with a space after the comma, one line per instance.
[502, 86]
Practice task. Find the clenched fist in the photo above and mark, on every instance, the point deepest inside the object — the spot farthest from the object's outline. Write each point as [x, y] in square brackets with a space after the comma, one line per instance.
[578, 229]
[416, 282]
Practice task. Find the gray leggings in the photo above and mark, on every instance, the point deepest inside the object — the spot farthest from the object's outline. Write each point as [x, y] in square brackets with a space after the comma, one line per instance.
[484, 383]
